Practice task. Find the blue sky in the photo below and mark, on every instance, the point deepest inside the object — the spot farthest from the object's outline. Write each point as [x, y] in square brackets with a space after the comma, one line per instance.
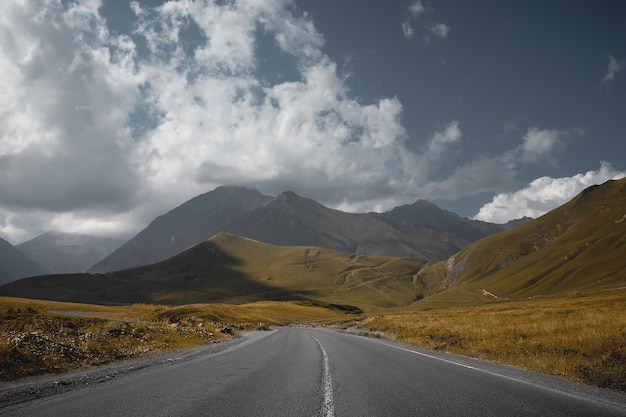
[112, 112]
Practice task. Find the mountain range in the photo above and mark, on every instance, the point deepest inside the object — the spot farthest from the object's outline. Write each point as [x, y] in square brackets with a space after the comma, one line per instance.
[421, 230]
[67, 253]
[15, 265]
[577, 248]
[232, 269]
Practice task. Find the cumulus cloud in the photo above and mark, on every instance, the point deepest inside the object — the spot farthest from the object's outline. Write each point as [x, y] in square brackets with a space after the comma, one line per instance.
[542, 195]
[450, 134]
[63, 109]
[538, 144]
[408, 30]
[437, 147]
[437, 31]
[432, 30]
[614, 67]
[417, 8]
[493, 173]
[101, 131]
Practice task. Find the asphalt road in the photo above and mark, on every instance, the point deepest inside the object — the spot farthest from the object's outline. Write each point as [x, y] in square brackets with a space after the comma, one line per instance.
[317, 372]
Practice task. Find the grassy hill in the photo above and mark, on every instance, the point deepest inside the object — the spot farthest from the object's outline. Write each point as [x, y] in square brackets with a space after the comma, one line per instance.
[576, 248]
[232, 269]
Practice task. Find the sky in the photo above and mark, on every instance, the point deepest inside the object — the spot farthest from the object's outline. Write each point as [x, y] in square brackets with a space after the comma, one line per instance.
[115, 112]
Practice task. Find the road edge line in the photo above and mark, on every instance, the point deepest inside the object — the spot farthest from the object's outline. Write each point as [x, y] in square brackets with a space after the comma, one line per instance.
[328, 408]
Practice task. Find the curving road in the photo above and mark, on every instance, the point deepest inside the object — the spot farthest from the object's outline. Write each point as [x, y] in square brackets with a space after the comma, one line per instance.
[317, 372]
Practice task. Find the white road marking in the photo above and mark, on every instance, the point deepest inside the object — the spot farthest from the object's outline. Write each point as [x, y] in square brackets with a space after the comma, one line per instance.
[328, 408]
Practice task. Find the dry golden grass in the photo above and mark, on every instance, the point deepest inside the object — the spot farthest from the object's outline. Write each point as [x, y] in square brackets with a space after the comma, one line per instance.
[582, 338]
[38, 337]
[578, 247]
[236, 270]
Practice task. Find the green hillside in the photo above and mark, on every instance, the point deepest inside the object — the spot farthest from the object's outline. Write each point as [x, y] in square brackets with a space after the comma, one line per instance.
[579, 247]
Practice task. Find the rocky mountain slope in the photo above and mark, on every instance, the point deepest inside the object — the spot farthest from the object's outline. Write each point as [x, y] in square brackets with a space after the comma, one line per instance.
[15, 265]
[188, 224]
[288, 219]
[425, 213]
[291, 220]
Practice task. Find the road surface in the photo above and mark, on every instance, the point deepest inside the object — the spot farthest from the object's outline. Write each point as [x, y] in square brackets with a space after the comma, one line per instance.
[318, 372]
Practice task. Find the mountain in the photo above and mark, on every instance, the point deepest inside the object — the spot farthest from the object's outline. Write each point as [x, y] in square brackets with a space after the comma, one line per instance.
[231, 269]
[15, 265]
[292, 220]
[421, 230]
[428, 214]
[576, 248]
[186, 225]
[67, 253]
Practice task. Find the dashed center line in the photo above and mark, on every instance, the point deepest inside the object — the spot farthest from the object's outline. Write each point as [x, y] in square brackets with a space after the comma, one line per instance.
[328, 408]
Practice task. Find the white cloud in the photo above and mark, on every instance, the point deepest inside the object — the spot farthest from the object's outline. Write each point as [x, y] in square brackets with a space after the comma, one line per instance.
[488, 174]
[450, 134]
[614, 67]
[438, 30]
[100, 132]
[538, 144]
[436, 148]
[72, 155]
[63, 108]
[542, 195]
[432, 30]
[417, 8]
[408, 30]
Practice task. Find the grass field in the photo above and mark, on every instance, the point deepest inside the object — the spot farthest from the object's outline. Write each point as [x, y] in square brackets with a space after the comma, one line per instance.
[581, 338]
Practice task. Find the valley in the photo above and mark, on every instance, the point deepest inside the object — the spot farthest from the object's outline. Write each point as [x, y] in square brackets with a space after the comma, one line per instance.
[546, 295]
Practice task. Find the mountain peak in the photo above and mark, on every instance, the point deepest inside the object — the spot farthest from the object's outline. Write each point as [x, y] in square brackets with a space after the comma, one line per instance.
[188, 224]
[233, 188]
[288, 195]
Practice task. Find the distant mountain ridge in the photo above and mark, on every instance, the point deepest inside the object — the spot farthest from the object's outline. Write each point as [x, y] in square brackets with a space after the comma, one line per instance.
[68, 253]
[291, 220]
[15, 265]
[288, 219]
[573, 250]
[428, 214]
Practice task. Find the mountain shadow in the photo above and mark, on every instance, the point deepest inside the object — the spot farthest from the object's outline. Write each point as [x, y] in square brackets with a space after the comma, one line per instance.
[202, 274]
[188, 224]
[231, 269]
